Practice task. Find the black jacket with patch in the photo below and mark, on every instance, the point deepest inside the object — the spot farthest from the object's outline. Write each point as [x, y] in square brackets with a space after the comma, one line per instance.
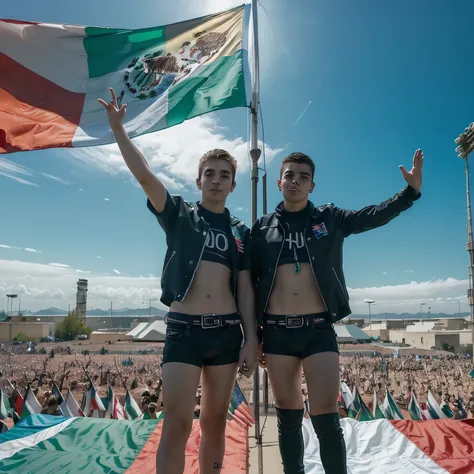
[186, 234]
[324, 235]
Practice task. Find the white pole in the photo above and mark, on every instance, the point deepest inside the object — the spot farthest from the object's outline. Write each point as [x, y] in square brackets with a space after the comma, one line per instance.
[255, 155]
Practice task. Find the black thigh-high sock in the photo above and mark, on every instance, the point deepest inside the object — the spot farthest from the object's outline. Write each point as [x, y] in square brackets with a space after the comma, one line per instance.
[332, 447]
[290, 439]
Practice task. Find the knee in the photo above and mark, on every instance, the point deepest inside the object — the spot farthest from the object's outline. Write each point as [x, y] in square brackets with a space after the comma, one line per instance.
[289, 420]
[324, 405]
[291, 402]
[327, 426]
[213, 424]
[176, 429]
[325, 408]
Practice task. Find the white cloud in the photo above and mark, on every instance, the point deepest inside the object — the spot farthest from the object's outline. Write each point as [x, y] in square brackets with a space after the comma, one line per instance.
[98, 256]
[3, 246]
[81, 190]
[59, 265]
[17, 179]
[106, 199]
[81, 271]
[116, 271]
[407, 297]
[27, 249]
[302, 113]
[169, 153]
[42, 286]
[55, 178]
[11, 170]
[384, 273]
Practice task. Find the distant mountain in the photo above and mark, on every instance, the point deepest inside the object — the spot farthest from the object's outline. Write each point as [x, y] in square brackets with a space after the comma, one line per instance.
[51, 312]
[99, 312]
[127, 312]
[384, 316]
[159, 312]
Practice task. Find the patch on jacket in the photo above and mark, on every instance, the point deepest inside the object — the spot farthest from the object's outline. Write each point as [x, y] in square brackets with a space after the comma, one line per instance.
[319, 230]
[240, 245]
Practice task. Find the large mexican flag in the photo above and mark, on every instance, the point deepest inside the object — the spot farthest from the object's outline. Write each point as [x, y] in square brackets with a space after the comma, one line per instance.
[43, 444]
[51, 76]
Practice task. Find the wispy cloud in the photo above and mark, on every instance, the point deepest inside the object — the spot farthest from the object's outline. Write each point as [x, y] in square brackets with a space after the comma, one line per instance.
[12, 170]
[43, 286]
[171, 157]
[81, 190]
[116, 271]
[3, 246]
[302, 113]
[82, 271]
[12, 247]
[407, 297]
[55, 178]
[17, 179]
[98, 256]
[106, 199]
[59, 265]
[384, 273]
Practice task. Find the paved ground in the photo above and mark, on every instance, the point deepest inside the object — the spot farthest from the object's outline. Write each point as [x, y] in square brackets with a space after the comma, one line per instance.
[270, 451]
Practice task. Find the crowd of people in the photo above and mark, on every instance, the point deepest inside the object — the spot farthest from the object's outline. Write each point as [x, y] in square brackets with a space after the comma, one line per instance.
[447, 377]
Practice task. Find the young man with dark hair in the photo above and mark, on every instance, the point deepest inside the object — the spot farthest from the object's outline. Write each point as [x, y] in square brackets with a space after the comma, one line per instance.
[301, 293]
[206, 282]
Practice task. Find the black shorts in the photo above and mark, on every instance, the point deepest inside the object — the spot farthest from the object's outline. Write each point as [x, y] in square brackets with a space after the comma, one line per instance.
[197, 346]
[301, 342]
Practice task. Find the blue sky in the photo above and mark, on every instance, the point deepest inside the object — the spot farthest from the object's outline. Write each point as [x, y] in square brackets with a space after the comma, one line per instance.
[356, 85]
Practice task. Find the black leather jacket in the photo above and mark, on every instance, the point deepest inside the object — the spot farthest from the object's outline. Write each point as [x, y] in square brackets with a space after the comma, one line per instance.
[325, 232]
[186, 234]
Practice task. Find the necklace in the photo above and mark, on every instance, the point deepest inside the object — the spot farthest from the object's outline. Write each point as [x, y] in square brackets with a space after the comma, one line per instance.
[297, 263]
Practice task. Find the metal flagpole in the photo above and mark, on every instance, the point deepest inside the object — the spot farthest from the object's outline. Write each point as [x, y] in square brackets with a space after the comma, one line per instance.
[465, 147]
[255, 153]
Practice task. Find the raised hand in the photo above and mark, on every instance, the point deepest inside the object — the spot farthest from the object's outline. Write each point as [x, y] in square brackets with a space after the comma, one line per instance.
[414, 176]
[114, 113]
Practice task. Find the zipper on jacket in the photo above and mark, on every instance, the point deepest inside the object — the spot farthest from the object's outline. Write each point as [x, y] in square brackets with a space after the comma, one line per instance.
[276, 267]
[195, 270]
[168, 262]
[312, 269]
[340, 284]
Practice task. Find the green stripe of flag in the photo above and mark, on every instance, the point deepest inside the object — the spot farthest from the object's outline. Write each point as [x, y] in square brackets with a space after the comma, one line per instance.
[219, 85]
[107, 48]
[83, 444]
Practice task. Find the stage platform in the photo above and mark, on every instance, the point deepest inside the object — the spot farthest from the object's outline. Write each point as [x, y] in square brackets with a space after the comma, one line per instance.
[271, 454]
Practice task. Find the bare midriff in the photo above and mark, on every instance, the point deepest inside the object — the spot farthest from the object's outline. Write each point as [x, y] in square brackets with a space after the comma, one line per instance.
[210, 292]
[295, 293]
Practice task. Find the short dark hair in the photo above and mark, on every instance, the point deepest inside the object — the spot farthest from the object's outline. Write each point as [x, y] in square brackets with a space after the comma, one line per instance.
[300, 158]
[218, 154]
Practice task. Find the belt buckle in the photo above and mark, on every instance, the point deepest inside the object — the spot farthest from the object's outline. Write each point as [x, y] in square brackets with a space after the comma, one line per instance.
[211, 321]
[294, 322]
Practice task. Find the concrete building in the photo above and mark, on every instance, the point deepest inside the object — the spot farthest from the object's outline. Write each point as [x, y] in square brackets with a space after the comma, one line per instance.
[33, 331]
[427, 339]
[378, 331]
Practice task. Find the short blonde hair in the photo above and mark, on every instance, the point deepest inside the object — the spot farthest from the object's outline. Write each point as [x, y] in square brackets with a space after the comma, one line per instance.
[218, 154]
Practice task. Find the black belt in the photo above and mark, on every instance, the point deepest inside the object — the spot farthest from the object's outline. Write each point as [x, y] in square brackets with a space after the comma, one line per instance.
[205, 321]
[295, 321]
